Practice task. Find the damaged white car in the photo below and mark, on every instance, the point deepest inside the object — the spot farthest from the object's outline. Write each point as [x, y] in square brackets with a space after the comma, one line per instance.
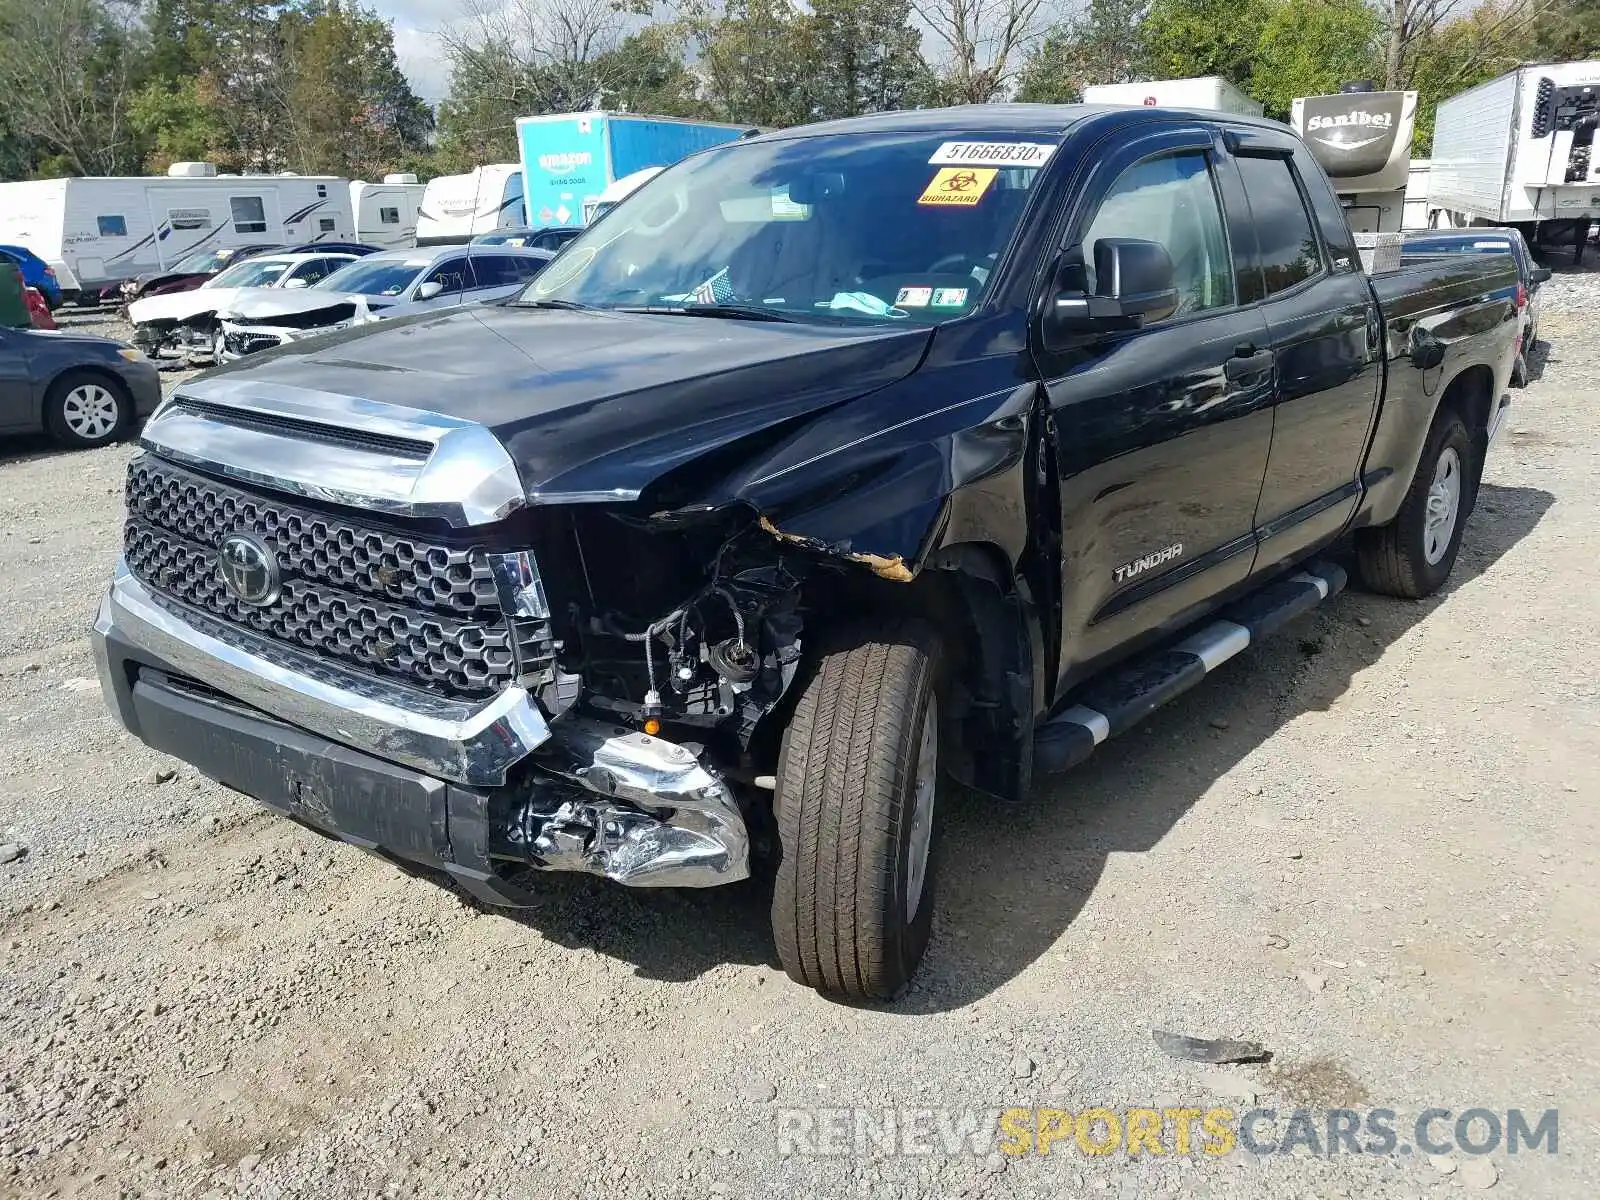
[393, 284]
[189, 320]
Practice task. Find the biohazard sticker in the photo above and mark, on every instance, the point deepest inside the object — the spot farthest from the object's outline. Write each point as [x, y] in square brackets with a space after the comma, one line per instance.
[958, 185]
[913, 297]
[991, 154]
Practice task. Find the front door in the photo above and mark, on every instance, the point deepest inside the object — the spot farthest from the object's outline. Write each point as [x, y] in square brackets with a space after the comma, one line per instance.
[1161, 434]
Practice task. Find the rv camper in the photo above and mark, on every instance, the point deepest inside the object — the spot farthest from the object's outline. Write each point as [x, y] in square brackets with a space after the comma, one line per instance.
[1362, 138]
[1206, 92]
[99, 231]
[570, 159]
[1520, 150]
[386, 213]
[457, 208]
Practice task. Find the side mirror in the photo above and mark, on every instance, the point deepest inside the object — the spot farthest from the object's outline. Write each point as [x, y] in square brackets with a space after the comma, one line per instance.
[1539, 275]
[429, 290]
[1133, 283]
[296, 283]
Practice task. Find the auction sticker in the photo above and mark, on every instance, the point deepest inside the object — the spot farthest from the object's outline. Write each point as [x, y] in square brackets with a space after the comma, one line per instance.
[913, 297]
[958, 185]
[950, 298]
[991, 154]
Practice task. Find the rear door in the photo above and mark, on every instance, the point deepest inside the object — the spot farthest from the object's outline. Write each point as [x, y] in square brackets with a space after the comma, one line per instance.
[456, 279]
[1162, 433]
[1325, 340]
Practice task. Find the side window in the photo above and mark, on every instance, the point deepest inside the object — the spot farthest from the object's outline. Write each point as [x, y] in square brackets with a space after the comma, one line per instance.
[504, 270]
[389, 216]
[249, 214]
[313, 270]
[325, 224]
[112, 226]
[452, 273]
[1172, 200]
[1290, 252]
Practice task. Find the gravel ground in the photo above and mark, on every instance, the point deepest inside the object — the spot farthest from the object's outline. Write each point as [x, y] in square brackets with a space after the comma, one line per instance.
[1369, 845]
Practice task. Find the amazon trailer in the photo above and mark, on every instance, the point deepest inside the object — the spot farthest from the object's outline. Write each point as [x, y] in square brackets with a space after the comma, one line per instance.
[570, 159]
[1362, 138]
[97, 232]
[1520, 150]
[1210, 92]
[386, 213]
[457, 208]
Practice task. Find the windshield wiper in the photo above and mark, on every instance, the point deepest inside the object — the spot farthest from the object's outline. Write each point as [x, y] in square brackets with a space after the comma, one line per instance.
[730, 312]
[567, 304]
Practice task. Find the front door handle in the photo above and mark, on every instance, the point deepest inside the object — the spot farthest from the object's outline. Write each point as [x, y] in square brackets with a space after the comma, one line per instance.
[1246, 362]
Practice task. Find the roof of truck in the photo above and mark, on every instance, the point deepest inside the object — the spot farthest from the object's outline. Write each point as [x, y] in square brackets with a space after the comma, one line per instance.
[998, 118]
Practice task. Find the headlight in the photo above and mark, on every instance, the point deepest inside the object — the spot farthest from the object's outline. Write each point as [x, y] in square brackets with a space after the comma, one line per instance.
[130, 353]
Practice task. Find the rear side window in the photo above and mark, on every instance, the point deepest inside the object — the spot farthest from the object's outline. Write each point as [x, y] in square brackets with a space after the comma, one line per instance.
[112, 226]
[249, 214]
[1290, 252]
[1172, 200]
[501, 270]
[453, 275]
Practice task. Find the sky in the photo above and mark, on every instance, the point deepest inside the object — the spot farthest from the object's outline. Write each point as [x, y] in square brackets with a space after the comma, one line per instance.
[416, 44]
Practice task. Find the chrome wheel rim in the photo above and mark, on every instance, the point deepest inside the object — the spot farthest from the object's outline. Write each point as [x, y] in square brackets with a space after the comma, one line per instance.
[923, 789]
[1444, 506]
[90, 411]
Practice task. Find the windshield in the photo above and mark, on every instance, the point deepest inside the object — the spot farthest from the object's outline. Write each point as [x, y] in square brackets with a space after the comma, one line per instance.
[253, 272]
[203, 262]
[375, 277]
[834, 228]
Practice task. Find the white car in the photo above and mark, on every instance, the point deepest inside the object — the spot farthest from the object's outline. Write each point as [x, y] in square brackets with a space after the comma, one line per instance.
[188, 320]
[395, 283]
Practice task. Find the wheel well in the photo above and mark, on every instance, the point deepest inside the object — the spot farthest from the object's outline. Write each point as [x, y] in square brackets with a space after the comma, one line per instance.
[1471, 396]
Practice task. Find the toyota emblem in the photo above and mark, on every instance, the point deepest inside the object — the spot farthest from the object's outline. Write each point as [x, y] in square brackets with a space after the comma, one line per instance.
[248, 569]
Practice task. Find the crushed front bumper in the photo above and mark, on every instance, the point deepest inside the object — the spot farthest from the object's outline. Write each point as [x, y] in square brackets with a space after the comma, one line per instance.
[469, 790]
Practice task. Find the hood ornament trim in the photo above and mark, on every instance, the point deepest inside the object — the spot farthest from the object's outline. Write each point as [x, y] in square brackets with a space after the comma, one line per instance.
[340, 449]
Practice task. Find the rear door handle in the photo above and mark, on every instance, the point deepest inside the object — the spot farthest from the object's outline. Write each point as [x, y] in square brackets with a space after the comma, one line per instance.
[1246, 362]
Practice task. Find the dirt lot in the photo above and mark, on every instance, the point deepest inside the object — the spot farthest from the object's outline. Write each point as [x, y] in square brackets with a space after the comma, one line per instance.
[1369, 845]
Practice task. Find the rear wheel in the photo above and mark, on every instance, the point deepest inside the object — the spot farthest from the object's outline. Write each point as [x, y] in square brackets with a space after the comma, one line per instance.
[857, 785]
[1412, 555]
[84, 409]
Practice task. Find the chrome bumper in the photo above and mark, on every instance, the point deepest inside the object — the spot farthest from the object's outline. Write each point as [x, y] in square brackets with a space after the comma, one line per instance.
[460, 741]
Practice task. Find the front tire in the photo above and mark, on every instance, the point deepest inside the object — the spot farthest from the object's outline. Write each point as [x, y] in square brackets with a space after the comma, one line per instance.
[83, 409]
[1412, 556]
[857, 782]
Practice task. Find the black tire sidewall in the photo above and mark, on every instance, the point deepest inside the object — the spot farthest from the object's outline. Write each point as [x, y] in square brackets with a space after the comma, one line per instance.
[55, 409]
[909, 939]
[1448, 433]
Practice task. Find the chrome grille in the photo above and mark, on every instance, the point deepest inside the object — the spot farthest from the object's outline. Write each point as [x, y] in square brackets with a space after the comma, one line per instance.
[395, 605]
[248, 343]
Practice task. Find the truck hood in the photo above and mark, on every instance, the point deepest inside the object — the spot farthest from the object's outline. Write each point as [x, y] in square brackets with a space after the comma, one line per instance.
[180, 306]
[590, 403]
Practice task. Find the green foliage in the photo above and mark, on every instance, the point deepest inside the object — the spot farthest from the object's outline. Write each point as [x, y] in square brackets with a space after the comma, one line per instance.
[1310, 47]
[1104, 45]
[1184, 38]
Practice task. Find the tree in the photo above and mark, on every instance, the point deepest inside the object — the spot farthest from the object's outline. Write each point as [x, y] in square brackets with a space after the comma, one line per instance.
[647, 74]
[983, 40]
[1103, 45]
[67, 77]
[1185, 38]
[1310, 47]
[757, 58]
[868, 57]
[1494, 32]
[1569, 32]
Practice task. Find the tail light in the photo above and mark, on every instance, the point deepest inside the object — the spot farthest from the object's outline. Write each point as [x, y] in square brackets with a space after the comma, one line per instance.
[1522, 296]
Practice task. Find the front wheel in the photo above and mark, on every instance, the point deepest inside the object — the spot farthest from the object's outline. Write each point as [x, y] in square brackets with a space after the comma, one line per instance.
[858, 778]
[84, 409]
[1412, 555]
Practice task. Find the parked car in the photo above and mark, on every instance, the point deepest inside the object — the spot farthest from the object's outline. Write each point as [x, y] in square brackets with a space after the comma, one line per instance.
[188, 320]
[836, 462]
[1531, 276]
[535, 239]
[38, 309]
[354, 249]
[80, 389]
[189, 273]
[394, 283]
[36, 273]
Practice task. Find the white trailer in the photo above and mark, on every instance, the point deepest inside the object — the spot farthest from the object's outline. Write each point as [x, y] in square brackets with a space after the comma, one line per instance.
[1416, 200]
[100, 230]
[386, 213]
[1205, 92]
[1520, 150]
[457, 208]
[1362, 139]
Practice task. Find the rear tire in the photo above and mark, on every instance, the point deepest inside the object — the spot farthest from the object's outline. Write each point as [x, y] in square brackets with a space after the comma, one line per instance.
[83, 409]
[855, 802]
[1412, 555]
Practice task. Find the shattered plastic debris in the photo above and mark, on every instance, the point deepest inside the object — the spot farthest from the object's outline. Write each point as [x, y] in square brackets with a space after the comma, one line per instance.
[1209, 1050]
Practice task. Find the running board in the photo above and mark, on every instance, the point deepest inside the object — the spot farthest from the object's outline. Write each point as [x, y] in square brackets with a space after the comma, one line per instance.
[1117, 701]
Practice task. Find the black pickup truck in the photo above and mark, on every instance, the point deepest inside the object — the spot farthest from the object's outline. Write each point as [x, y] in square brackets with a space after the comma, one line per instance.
[833, 464]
